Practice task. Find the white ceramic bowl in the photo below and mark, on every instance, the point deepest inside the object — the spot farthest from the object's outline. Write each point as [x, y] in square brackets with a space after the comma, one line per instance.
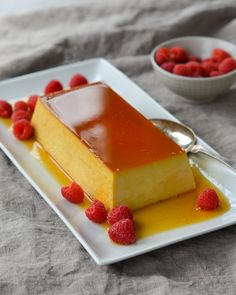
[196, 89]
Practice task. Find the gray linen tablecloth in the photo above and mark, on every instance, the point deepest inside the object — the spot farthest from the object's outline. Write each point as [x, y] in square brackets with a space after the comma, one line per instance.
[38, 254]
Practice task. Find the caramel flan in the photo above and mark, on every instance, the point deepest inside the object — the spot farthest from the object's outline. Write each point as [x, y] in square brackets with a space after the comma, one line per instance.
[109, 148]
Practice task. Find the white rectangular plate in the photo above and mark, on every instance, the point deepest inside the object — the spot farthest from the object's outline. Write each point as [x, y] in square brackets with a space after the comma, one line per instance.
[93, 237]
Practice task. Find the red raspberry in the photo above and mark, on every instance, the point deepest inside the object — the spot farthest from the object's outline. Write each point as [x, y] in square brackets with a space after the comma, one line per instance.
[96, 212]
[181, 70]
[178, 54]
[118, 213]
[219, 54]
[53, 86]
[21, 105]
[168, 66]
[207, 68]
[78, 80]
[215, 74]
[162, 55]
[194, 58]
[22, 129]
[208, 200]
[194, 67]
[73, 193]
[209, 59]
[123, 232]
[197, 76]
[227, 65]
[5, 109]
[20, 114]
[32, 100]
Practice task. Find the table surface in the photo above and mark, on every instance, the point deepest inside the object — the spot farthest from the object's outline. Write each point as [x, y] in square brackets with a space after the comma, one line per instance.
[13, 6]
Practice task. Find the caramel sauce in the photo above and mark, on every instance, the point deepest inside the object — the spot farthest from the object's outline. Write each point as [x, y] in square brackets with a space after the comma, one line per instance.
[51, 166]
[118, 134]
[6, 122]
[179, 211]
[162, 216]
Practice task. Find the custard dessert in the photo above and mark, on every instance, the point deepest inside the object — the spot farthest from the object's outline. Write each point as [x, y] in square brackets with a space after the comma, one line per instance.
[109, 148]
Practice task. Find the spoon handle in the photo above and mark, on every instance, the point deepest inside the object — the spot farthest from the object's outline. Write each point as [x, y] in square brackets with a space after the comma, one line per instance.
[199, 149]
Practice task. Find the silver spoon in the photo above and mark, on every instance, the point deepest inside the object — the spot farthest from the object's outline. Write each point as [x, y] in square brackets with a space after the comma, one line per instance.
[184, 137]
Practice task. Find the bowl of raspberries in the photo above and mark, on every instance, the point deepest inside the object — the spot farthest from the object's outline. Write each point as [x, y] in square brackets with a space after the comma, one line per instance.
[196, 68]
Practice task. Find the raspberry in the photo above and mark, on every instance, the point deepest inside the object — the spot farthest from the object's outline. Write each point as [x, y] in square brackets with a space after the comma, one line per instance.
[21, 105]
[96, 212]
[123, 232]
[194, 58]
[219, 54]
[73, 193]
[208, 200]
[194, 68]
[162, 55]
[53, 86]
[181, 70]
[22, 129]
[215, 73]
[20, 114]
[78, 80]
[197, 76]
[209, 59]
[178, 54]
[227, 65]
[168, 66]
[32, 100]
[5, 109]
[207, 68]
[118, 213]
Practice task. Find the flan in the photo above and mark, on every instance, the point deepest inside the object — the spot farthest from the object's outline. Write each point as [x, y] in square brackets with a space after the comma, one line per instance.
[109, 148]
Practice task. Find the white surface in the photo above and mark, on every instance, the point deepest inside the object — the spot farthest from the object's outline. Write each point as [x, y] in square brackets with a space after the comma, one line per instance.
[196, 89]
[93, 237]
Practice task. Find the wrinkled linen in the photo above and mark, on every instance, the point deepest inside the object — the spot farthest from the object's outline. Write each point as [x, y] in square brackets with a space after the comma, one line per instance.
[38, 254]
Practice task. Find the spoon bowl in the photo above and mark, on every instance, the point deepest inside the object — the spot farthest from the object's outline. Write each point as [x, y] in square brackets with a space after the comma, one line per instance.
[185, 138]
[180, 133]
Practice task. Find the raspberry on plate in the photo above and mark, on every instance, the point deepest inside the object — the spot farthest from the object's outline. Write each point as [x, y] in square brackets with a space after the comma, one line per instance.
[21, 114]
[5, 109]
[73, 193]
[181, 70]
[78, 80]
[162, 55]
[219, 54]
[168, 66]
[32, 100]
[22, 129]
[208, 200]
[96, 212]
[53, 86]
[118, 213]
[21, 105]
[123, 232]
[178, 54]
[227, 65]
